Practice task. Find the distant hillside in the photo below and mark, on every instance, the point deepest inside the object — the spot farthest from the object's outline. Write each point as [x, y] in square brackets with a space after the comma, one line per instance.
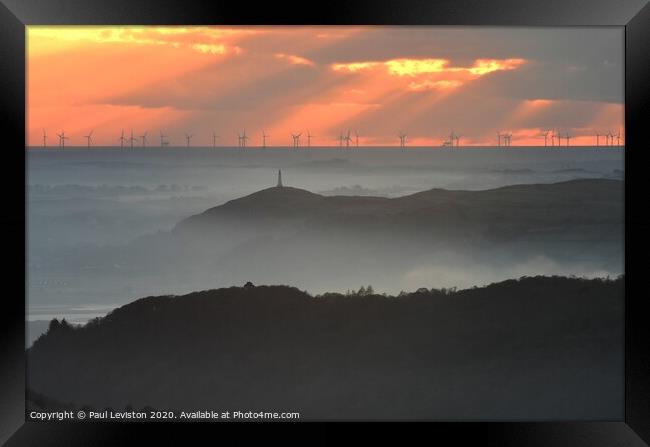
[324, 243]
[539, 348]
[583, 208]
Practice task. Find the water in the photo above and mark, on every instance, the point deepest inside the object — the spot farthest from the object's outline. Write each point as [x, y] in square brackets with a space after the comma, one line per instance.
[82, 200]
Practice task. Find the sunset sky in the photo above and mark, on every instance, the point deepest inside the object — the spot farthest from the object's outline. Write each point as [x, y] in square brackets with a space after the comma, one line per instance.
[377, 81]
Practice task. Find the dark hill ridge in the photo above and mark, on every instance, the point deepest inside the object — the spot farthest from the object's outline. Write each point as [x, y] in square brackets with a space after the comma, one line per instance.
[539, 348]
[282, 203]
[588, 207]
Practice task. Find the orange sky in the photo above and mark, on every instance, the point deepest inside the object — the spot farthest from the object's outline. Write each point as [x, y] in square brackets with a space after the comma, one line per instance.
[374, 81]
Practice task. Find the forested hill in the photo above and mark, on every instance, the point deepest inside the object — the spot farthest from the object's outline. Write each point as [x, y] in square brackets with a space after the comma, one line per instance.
[537, 347]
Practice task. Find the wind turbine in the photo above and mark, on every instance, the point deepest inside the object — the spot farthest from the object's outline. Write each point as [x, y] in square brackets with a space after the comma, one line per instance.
[44, 138]
[214, 139]
[163, 143]
[143, 138]
[188, 137]
[89, 138]
[559, 138]
[402, 139]
[122, 140]
[348, 139]
[545, 135]
[507, 138]
[62, 139]
[568, 137]
[450, 141]
[309, 137]
[457, 137]
[296, 140]
[242, 139]
[499, 138]
[597, 139]
[341, 139]
[264, 137]
[132, 139]
[618, 138]
[356, 134]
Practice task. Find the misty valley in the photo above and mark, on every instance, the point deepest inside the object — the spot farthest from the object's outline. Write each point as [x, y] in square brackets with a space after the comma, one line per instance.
[246, 274]
[106, 226]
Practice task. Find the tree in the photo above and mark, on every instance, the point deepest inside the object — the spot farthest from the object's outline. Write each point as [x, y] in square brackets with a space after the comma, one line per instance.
[54, 325]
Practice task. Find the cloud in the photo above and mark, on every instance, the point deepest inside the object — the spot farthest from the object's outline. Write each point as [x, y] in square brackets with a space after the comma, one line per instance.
[295, 60]
[207, 40]
[431, 73]
[438, 85]
[209, 48]
[354, 67]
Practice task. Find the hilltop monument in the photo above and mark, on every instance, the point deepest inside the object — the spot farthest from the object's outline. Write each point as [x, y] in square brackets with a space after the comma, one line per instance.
[279, 185]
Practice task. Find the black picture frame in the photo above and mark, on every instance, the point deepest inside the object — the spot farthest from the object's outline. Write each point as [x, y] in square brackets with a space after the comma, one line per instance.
[633, 15]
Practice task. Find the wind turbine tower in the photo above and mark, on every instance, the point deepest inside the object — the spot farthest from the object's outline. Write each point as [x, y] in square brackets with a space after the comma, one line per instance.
[122, 140]
[132, 139]
[143, 138]
[188, 137]
[545, 134]
[44, 138]
[402, 140]
[309, 137]
[163, 143]
[264, 137]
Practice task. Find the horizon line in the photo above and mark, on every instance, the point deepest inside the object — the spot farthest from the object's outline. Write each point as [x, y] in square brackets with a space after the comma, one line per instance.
[306, 148]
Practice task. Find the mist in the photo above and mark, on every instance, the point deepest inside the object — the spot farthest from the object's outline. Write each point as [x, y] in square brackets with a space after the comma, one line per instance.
[103, 224]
